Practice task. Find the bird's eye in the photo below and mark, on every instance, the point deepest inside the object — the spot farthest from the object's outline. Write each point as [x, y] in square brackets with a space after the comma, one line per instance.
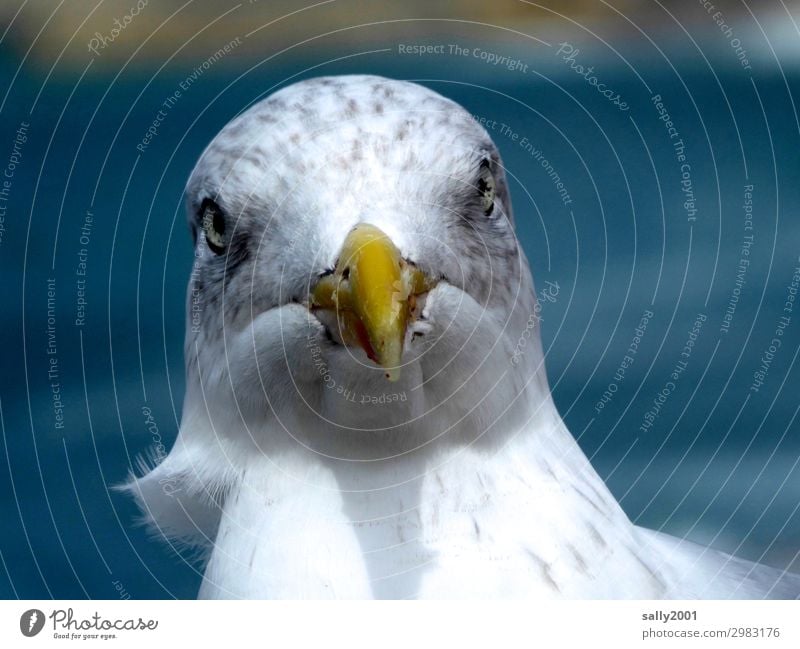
[486, 188]
[214, 226]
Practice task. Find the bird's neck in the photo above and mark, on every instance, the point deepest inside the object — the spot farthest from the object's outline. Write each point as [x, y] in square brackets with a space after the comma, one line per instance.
[400, 441]
[381, 522]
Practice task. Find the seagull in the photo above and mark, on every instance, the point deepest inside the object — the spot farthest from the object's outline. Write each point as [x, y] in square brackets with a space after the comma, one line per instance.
[367, 413]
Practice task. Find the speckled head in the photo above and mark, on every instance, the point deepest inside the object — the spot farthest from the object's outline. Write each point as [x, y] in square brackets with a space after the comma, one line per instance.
[273, 198]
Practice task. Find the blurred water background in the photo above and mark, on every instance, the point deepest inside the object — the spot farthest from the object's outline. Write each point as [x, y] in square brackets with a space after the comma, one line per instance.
[95, 253]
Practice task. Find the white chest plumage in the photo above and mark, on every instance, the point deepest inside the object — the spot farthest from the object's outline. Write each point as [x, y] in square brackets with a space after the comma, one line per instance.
[509, 524]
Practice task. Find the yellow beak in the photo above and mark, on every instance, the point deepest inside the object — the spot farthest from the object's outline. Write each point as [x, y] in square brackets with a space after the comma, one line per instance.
[372, 290]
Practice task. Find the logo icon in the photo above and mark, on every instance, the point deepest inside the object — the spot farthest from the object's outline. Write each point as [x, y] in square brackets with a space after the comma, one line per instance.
[31, 622]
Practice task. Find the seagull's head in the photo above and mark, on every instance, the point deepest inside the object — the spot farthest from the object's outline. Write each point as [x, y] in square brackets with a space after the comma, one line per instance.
[356, 266]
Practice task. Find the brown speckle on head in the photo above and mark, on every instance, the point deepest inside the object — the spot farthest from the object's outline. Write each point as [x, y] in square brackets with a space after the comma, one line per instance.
[401, 132]
[351, 108]
[355, 152]
[264, 118]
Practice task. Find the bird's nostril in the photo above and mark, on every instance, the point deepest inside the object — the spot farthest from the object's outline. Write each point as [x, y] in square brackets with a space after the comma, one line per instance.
[329, 336]
[346, 273]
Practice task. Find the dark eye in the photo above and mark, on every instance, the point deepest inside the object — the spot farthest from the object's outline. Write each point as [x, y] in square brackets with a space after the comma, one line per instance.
[213, 221]
[486, 187]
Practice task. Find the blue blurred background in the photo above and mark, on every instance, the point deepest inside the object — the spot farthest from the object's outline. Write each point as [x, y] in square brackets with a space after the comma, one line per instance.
[719, 464]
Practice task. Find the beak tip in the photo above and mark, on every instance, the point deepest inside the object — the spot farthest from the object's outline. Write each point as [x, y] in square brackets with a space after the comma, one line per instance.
[372, 291]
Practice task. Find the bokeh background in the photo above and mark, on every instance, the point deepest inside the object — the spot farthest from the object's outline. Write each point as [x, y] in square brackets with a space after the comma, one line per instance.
[719, 464]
